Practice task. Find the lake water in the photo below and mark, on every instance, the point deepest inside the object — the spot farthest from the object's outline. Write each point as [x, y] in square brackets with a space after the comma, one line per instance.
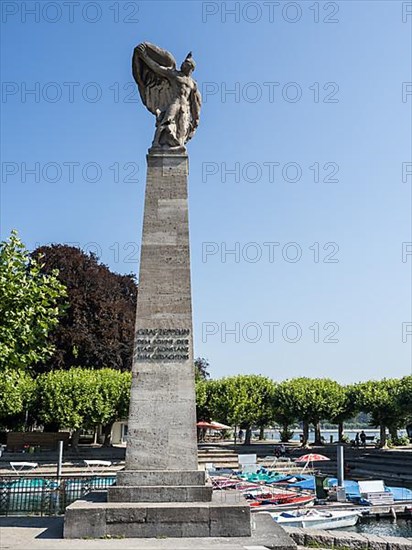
[275, 436]
[383, 527]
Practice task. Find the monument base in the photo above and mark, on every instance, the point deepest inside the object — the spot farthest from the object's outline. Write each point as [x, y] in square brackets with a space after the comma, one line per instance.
[160, 486]
[160, 493]
[160, 477]
[227, 515]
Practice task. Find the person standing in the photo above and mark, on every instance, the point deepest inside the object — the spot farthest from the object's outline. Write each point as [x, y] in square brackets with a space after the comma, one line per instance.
[363, 438]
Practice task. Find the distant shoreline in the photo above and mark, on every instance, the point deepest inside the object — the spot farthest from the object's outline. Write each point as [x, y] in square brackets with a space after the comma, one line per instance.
[350, 433]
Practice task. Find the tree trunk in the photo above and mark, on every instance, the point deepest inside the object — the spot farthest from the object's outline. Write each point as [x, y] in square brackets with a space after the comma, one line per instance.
[318, 440]
[261, 433]
[393, 432]
[107, 431]
[305, 434]
[248, 436]
[340, 432]
[284, 433]
[75, 438]
[382, 443]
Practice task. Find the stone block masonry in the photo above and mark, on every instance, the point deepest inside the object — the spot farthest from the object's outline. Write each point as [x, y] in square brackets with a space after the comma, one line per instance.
[161, 492]
[158, 519]
[162, 418]
[324, 539]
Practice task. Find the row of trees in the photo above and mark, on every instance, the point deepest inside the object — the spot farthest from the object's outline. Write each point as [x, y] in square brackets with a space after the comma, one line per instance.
[61, 308]
[83, 398]
[253, 401]
[74, 399]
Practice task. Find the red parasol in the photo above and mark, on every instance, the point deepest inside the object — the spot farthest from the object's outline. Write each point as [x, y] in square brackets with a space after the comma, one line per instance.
[206, 425]
[312, 457]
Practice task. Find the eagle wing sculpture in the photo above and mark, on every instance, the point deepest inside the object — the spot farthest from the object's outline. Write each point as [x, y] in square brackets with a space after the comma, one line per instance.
[155, 91]
[170, 94]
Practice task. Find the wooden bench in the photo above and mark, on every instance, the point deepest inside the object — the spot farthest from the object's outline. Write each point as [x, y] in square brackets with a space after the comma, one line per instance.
[18, 441]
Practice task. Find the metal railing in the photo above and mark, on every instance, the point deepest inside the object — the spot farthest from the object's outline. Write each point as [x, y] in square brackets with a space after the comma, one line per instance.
[46, 496]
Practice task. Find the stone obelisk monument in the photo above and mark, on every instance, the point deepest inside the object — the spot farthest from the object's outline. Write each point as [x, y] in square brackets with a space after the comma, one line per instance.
[162, 419]
[161, 456]
[161, 491]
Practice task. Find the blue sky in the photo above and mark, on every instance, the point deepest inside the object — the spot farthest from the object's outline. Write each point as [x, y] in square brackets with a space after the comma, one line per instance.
[296, 167]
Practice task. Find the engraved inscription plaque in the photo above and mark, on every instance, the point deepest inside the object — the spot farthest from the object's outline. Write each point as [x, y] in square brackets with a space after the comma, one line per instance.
[162, 344]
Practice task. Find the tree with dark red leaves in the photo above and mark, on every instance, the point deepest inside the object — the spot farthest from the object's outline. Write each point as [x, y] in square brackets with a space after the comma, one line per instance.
[98, 328]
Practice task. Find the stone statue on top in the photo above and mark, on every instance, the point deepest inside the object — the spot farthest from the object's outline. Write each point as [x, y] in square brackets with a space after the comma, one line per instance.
[170, 94]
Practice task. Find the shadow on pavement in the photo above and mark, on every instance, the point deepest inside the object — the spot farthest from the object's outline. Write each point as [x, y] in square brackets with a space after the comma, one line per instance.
[53, 527]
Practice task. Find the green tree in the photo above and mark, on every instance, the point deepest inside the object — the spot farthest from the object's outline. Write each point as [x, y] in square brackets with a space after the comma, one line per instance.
[216, 399]
[311, 400]
[381, 398]
[405, 397]
[17, 390]
[30, 307]
[64, 398]
[243, 400]
[405, 402]
[201, 369]
[81, 398]
[282, 413]
[111, 399]
[347, 409]
[204, 389]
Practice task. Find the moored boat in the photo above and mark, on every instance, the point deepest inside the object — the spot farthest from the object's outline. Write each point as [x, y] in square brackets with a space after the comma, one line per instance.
[317, 519]
[280, 501]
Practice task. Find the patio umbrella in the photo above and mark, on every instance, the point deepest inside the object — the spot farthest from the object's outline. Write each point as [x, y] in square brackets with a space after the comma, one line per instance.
[312, 457]
[219, 426]
[205, 425]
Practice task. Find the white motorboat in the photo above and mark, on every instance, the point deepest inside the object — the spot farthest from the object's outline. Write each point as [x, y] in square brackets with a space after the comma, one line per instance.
[317, 519]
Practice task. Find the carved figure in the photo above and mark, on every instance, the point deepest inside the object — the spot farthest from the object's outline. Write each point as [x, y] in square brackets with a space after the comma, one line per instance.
[170, 94]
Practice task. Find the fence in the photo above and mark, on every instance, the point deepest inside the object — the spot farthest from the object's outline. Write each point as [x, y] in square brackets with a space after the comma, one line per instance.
[46, 496]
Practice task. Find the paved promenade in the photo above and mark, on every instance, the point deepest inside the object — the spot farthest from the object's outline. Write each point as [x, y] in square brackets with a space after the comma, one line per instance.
[37, 533]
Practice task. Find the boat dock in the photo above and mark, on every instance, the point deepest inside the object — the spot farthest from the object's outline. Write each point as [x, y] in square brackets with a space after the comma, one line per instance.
[398, 509]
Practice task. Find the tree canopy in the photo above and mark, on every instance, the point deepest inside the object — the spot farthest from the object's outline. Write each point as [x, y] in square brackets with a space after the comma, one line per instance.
[309, 400]
[382, 399]
[283, 414]
[17, 390]
[98, 328]
[405, 397]
[31, 304]
[201, 368]
[82, 398]
[243, 400]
